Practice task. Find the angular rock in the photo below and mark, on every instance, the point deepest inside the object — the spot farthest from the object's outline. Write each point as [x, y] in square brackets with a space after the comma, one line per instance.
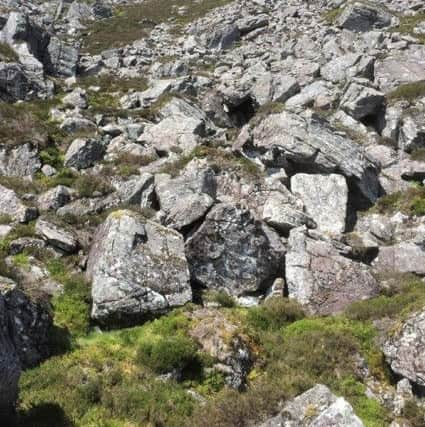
[30, 324]
[363, 16]
[325, 198]
[314, 144]
[412, 132]
[22, 160]
[83, 153]
[405, 257]
[320, 278]
[404, 350]
[10, 365]
[60, 59]
[348, 66]
[14, 83]
[56, 236]
[317, 407]
[55, 198]
[11, 205]
[362, 101]
[138, 269]
[187, 198]
[232, 252]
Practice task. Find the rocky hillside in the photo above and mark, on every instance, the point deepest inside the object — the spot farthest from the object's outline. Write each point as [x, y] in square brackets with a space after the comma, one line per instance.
[212, 213]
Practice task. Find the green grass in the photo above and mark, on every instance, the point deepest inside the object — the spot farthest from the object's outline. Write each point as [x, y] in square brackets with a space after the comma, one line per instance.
[332, 15]
[134, 22]
[406, 296]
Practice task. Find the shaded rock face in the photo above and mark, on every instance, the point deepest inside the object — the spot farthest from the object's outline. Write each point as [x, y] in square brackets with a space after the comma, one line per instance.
[12, 206]
[222, 340]
[19, 161]
[317, 407]
[233, 252]
[138, 269]
[320, 278]
[29, 324]
[404, 350]
[10, 366]
[311, 144]
[325, 198]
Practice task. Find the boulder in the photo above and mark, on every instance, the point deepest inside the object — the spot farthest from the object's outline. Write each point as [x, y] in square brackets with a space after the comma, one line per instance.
[405, 349]
[404, 257]
[14, 82]
[10, 365]
[233, 252]
[83, 153]
[347, 66]
[312, 143]
[11, 205]
[22, 160]
[56, 236]
[186, 198]
[321, 278]
[55, 198]
[325, 198]
[364, 16]
[138, 269]
[60, 59]
[30, 324]
[361, 101]
[412, 132]
[317, 407]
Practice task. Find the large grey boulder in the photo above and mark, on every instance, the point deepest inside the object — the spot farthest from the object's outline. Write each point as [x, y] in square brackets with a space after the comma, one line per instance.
[321, 278]
[325, 198]
[405, 349]
[60, 59]
[311, 143]
[233, 252]
[347, 66]
[22, 160]
[54, 198]
[138, 269]
[412, 132]
[10, 365]
[317, 407]
[11, 205]
[83, 153]
[221, 37]
[364, 16]
[187, 198]
[360, 101]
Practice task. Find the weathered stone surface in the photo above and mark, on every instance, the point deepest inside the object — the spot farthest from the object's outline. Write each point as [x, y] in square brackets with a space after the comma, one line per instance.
[325, 198]
[83, 153]
[138, 269]
[405, 257]
[412, 132]
[10, 365]
[222, 340]
[56, 236]
[22, 160]
[312, 143]
[362, 101]
[14, 83]
[29, 325]
[234, 253]
[55, 198]
[11, 205]
[404, 351]
[320, 278]
[283, 211]
[188, 197]
[317, 407]
[348, 66]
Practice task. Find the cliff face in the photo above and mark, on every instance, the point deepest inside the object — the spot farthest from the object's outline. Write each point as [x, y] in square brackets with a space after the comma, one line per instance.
[250, 174]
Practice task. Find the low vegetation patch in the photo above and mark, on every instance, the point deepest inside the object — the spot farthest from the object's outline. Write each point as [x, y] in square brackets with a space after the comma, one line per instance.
[408, 92]
[409, 23]
[7, 54]
[134, 22]
[410, 202]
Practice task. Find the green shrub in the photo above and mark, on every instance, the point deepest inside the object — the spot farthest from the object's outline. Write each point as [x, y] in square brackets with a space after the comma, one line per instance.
[408, 92]
[88, 185]
[274, 313]
[410, 202]
[166, 354]
[414, 413]
[5, 219]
